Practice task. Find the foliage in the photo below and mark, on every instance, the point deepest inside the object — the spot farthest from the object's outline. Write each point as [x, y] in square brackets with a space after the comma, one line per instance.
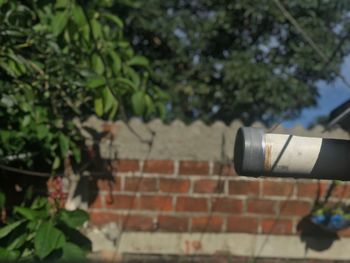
[60, 60]
[223, 59]
[42, 231]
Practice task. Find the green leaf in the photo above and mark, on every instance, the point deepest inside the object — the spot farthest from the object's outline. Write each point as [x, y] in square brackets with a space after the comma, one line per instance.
[74, 218]
[59, 22]
[47, 239]
[97, 64]
[114, 19]
[6, 255]
[39, 202]
[17, 242]
[161, 109]
[56, 163]
[138, 61]
[4, 231]
[116, 62]
[96, 28]
[78, 16]
[30, 214]
[42, 131]
[26, 120]
[76, 153]
[150, 108]
[126, 82]
[98, 103]
[96, 81]
[138, 102]
[64, 144]
[108, 99]
[72, 252]
[113, 112]
[2, 2]
[133, 76]
[61, 3]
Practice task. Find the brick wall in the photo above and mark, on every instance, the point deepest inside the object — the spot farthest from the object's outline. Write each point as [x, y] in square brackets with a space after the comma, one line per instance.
[201, 196]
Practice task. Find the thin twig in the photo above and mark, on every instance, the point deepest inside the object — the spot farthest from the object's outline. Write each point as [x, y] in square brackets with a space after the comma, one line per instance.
[26, 172]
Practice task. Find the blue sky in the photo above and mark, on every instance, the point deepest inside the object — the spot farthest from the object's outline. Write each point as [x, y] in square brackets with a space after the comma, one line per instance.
[331, 96]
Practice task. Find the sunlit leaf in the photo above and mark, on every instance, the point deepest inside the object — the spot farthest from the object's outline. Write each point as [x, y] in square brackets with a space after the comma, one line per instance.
[138, 102]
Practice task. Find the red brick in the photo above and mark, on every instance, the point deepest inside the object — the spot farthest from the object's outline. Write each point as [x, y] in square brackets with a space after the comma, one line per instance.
[159, 203]
[249, 188]
[138, 222]
[191, 204]
[173, 223]
[258, 206]
[126, 166]
[97, 202]
[140, 184]
[108, 185]
[295, 208]
[209, 186]
[120, 201]
[311, 189]
[207, 223]
[193, 168]
[344, 233]
[242, 224]
[224, 169]
[174, 185]
[284, 189]
[341, 191]
[108, 127]
[276, 226]
[227, 205]
[101, 218]
[159, 166]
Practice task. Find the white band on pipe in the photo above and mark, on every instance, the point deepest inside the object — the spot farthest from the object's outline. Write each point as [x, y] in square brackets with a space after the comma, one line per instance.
[287, 154]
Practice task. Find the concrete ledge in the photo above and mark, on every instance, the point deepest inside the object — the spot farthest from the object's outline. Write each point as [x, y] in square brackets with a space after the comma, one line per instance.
[175, 141]
[246, 245]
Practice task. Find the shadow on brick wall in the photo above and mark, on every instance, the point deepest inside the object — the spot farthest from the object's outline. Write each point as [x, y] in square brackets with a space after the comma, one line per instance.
[99, 169]
[314, 236]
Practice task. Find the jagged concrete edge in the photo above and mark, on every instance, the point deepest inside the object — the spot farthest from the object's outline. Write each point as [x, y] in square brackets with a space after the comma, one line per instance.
[179, 141]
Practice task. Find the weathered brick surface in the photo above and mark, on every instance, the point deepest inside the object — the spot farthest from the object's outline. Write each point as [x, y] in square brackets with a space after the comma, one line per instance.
[224, 169]
[227, 205]
[191, 204]
[249, 188]
[158, 166]
[108, 184]
[158, 203]
[209, 186]
[126, 166]
[167, 185]
[138, 223]
[276, 226]
[173, 223]
[295, 208]
[97, 203]
[193, 168]
[311, 189]
[209, 223]
[284, 189]
[191, 198]
[140, 184]
[262, 206]
[101, 218]
[122, 201]
[242, 224]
